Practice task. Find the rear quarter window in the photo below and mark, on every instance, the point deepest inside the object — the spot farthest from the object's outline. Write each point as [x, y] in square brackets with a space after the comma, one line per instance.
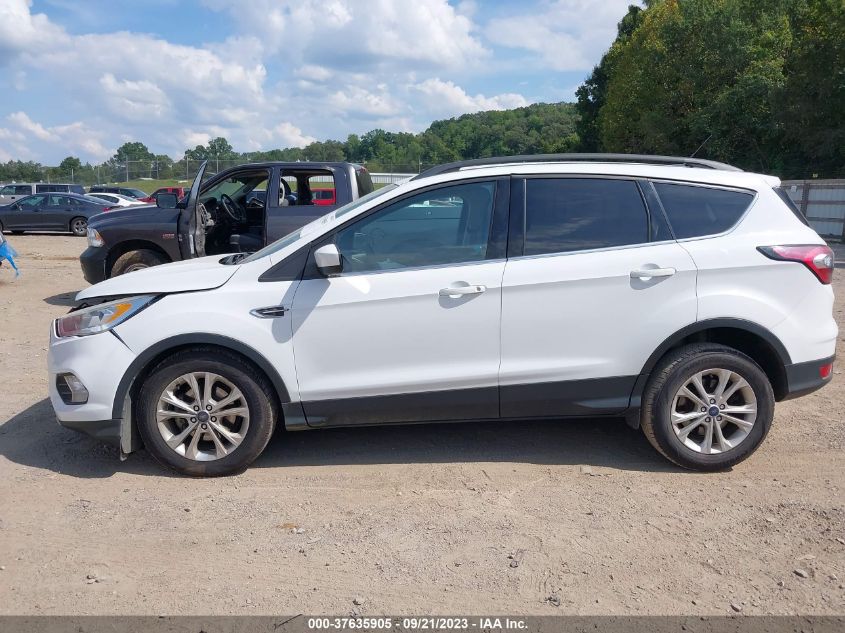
[789, 202]
[695, 211]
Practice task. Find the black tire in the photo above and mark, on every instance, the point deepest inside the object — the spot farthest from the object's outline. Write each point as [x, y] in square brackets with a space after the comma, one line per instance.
[136, 260]
[669, 376]
[259, 398]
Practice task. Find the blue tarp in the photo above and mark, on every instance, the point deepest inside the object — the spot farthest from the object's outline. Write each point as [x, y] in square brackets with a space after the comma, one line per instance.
[8, 253]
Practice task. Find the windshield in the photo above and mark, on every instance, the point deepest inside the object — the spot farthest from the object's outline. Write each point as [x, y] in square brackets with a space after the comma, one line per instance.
[290, 238]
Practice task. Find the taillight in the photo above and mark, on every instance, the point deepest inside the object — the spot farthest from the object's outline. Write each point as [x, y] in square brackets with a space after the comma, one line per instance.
[110, 208]
[825, 371]
[818, 259]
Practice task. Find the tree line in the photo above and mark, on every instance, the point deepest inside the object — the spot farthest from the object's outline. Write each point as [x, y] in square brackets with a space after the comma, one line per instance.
[538, 128]
[758, 85]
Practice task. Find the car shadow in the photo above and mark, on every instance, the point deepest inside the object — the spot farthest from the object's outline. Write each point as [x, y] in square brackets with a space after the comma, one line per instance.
[62, 299]
[33, 438]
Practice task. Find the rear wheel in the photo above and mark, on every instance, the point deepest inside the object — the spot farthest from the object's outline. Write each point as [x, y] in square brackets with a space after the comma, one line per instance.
[206, 413]
[707, 407]
[136, 260]
[79, 227]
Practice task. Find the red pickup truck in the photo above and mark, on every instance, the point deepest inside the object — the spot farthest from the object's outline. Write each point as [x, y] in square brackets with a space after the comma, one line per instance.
[179, 191]
[324, 197]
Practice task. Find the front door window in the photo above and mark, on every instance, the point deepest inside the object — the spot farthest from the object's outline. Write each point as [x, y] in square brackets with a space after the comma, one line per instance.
[450, 225]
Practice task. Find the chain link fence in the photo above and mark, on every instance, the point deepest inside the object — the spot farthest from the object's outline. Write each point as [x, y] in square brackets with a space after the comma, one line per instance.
[185, 170]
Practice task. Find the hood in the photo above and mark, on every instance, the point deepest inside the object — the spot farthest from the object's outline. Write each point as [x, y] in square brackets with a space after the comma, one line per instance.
[118, 214]
[194, 274]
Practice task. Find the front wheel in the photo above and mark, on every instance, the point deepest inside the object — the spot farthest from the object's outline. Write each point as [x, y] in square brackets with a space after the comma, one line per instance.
[206, 412]
[707, 407]
[136, 260]
[79, 227]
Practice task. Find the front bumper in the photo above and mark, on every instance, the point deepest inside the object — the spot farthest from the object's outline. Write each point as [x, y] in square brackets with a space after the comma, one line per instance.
[99, 362]
[108, 431]
[93, 261]
[804, 378]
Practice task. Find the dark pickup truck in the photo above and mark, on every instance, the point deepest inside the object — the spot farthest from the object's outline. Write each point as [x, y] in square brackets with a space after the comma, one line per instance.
[238, 210]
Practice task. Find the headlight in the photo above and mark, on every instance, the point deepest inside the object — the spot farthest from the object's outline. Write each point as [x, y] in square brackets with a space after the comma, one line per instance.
[94, 237]
[101, 318]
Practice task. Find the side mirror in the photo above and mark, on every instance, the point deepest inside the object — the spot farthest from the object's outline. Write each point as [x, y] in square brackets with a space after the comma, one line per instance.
[328, 260]
[166, 200]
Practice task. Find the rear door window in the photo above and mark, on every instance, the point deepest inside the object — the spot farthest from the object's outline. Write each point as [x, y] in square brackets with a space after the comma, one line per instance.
[576, 214]
[696, 211]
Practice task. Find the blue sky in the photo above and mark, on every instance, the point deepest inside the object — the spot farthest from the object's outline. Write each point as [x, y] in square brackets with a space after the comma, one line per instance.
[82, 77]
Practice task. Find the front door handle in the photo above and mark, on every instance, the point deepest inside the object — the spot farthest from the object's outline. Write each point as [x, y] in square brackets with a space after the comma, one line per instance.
[462, 290]
[646, 273]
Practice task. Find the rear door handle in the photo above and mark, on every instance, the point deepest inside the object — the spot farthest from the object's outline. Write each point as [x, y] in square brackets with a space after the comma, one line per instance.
[645, 273]
[462, 290]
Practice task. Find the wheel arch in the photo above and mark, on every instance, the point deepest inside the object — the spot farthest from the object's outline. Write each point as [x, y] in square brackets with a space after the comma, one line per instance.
[750, 338]
[133, 377]
[74, 219]
[121, 248]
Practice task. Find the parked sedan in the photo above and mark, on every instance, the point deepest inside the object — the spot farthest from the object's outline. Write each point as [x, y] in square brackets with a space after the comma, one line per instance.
[124, 191]
[52, 212]
[117, 200]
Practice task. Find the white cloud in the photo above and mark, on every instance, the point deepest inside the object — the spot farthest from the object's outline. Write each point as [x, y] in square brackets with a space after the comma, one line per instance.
[24, 123]
[567, 34]
[291, 71]
[134, 100]
[353, 99]
[20, 30]
[70, 138]
[444, 98]
[288, 135]
[376, 33]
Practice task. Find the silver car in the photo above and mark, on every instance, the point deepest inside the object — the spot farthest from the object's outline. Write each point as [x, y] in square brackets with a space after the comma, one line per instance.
[10, 193]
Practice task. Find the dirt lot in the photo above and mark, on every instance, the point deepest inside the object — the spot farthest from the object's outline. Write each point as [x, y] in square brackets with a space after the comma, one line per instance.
[527, 518]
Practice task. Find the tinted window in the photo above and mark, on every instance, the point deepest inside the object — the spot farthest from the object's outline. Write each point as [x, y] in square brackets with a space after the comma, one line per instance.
[23, 190]
[58, 201]
[696, 211]
[49, 188]
[574, 214]
[32, 201]
[449, 225]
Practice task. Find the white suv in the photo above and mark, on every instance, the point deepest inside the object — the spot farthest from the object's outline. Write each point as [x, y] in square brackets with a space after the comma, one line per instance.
[684, 295]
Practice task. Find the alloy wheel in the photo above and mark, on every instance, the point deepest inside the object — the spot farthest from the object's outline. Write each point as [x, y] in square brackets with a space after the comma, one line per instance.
[202, 416]
[714, 411]
[79, 226]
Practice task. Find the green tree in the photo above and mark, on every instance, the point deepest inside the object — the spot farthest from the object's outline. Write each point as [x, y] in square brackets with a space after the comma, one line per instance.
[134, 150]
[592, 94]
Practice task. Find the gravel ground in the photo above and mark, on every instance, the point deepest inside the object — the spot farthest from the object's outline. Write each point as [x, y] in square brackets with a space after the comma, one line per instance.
[525, 518]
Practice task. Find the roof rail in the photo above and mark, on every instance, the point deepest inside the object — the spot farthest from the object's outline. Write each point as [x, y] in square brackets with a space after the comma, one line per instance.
[679, 161]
